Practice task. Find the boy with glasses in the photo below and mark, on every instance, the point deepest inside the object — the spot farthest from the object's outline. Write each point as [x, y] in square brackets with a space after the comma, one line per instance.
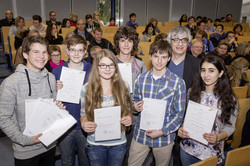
[74, 138]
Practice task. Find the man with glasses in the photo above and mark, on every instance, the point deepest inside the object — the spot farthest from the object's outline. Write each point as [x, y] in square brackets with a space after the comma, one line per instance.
[74, 138]
[183, 65]
[196, 49]
[52, 19]
[80, 30]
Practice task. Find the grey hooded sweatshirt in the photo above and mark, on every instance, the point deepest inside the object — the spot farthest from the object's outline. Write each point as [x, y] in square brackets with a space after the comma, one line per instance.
[14, 90]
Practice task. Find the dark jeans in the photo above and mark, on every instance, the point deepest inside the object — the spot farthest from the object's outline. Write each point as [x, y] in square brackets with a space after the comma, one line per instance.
[129, 137]
[69, 142]
[105, 155]
[44, 159]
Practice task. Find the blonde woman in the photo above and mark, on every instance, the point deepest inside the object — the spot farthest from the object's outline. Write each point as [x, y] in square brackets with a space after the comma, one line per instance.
[105, 88]
[73, 19]
[96, 18]
[19, 25]
[237, 73]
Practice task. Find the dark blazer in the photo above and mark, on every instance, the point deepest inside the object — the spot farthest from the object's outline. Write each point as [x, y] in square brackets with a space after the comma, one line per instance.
[191, 67]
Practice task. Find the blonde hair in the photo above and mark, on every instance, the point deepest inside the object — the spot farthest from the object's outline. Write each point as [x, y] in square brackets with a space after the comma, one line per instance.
[19, 18]
[94, 92]
[235, 71]
[94, 14]
[72, 15]
[152, 20]
[241, 49]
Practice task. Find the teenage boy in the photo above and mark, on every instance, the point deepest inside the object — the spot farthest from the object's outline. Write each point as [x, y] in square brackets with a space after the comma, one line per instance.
[31, 81]
[132, 18]
[158, 83]
[74, 138]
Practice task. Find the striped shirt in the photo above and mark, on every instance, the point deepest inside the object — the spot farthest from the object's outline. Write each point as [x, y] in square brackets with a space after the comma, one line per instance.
[169, 87]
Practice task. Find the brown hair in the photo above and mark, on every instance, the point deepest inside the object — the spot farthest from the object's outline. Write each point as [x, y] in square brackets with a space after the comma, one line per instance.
[160, 46]
[76, 39]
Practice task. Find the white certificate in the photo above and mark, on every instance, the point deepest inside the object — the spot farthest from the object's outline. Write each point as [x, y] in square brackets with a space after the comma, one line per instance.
[199, 119]
[108, 123]
[72, 83]
[153, 114]
[49, 120]
[126, 73]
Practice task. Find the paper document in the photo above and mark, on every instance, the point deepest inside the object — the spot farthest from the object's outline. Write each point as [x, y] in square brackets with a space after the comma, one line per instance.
[153, 114]
[49, 120]
[126, 73]
[108, 123]
[72, 83]
[199, 119]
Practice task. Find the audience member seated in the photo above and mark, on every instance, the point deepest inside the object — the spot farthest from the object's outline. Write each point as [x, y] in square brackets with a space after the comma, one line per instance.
[196, 49]
[66, 23]
[19, 23]
[218, 35]
[242, 51]
[161, 36]
[73, 19]
[229, 18]
[201, 26]
[198, 19]
[99, 41]
[19, 56]
[216, 21]
[245, 140]
[207, 44]
[237, 73]
[209, 26]
[112, 22]
[92, 53]
[147, 33]
[8, 20]
[155, 23]
[38, 25]
[230, 36]
[19, 36]
[191, 25]
[80, 30]
[55, 58]
[222, 51]
[52, 19]
[183, 18]
[238, 30]
[90, 25]
[96, 18]
[132, 19]
[222, 19]
[52, 35]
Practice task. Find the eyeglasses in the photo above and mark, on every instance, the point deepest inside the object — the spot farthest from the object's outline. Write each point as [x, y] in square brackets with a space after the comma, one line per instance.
[177, 40]
[73, 51]
[55, 55]
[104, 66]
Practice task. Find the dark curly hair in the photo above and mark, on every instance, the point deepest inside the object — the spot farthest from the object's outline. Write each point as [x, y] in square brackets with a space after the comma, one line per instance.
[127, 33]
[227, 101]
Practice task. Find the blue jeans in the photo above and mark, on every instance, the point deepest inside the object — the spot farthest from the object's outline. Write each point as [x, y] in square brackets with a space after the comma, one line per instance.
[70, 141]
[105, 155]
[187, 159]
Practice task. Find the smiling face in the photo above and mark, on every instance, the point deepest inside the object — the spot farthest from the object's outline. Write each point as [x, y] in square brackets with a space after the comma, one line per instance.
[76, 53]
[126, 46]
[20, 23]
[159, 62]
[55, 57]
[54, 29]
[196, 49]
[106, 68]
[179, 48]
[37, 57]
[210, 75]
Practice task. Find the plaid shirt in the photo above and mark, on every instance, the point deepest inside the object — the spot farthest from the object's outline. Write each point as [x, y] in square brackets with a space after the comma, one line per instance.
[169, 87]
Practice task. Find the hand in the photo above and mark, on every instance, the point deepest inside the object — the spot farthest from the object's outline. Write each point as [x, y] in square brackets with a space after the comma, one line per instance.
[139, 106]
[35, 138]
[126, 120]
[210, 137]
[182, 133]
[60, 105]
[89, 127]
[154, 133]
[59, 85]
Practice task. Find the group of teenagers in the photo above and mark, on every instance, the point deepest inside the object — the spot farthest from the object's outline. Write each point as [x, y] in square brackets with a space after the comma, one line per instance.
[175, 77]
